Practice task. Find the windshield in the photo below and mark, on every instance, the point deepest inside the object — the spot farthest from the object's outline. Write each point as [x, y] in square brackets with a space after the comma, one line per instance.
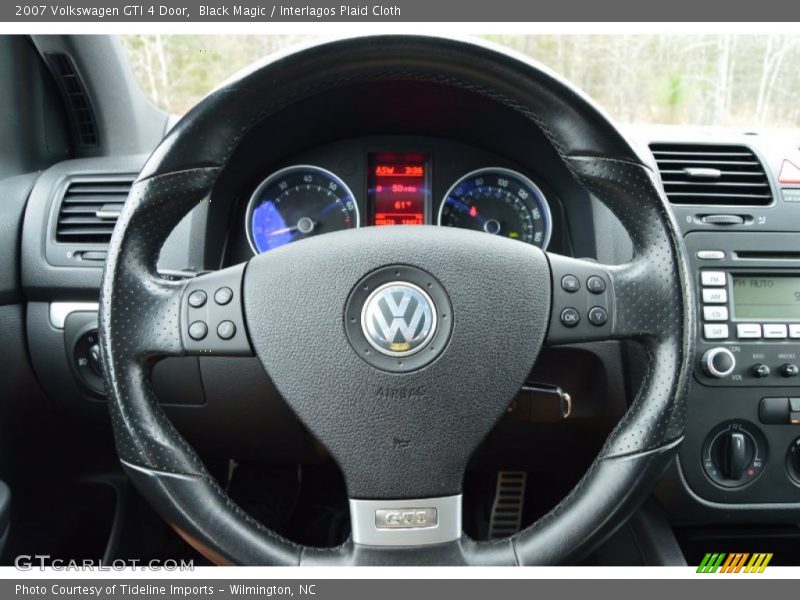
[720, 80]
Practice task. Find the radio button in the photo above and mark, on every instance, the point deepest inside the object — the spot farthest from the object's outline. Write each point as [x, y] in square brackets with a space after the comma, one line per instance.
[790, 194]
[715, 313]
[223, 295]
[716, 278]
[760, 371]
[718, 362]
[197, 298]
[710, 254]
[570, 317]
[570, 284]
[794, 413]
[596, 285]
[598, 316]
[774, 330]
[715, 331]
[748, 330]
[774, 411]
[794, 330]
[715, 295]
[198, 330]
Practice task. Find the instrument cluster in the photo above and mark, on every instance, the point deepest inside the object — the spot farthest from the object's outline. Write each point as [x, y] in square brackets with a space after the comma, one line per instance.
[359, 183]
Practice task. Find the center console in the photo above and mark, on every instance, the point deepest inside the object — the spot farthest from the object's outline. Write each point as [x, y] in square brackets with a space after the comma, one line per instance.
[743, 442]
[736, 198]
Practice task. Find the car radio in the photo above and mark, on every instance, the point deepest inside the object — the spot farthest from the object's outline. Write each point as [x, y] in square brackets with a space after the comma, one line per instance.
[748, 300]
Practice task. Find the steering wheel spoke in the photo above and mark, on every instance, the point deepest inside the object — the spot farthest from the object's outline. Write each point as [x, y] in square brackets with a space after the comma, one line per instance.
[198, 316]
[408, 522]
[212, 319]
[583, 307]
[596, 302]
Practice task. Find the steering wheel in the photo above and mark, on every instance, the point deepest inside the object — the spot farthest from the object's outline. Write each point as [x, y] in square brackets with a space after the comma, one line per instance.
[401, 418]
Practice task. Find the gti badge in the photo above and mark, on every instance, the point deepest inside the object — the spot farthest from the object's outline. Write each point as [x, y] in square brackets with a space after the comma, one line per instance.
[398, 318]
[406, 518]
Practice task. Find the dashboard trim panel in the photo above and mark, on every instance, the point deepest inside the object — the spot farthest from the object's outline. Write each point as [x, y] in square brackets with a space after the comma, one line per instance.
[59, 311]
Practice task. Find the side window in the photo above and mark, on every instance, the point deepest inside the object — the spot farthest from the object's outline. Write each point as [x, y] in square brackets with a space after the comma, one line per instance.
[36, 137]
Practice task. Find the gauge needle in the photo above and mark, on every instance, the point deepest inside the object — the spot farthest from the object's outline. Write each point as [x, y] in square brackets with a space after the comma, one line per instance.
[304, 225]
[282, 231]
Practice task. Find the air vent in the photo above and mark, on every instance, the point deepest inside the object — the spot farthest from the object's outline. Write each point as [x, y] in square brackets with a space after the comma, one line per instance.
[89, 210]
[716, 174]
[77, 99]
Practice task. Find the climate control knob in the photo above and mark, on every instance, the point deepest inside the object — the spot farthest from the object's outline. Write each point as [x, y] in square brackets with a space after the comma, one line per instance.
[734, 454]
[718, 362]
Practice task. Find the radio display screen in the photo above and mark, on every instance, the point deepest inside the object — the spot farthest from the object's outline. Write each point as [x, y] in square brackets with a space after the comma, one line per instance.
[775, 297]
[397, 188]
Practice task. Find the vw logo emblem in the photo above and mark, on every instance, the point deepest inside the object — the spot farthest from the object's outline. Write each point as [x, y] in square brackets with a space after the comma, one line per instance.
[398, 318]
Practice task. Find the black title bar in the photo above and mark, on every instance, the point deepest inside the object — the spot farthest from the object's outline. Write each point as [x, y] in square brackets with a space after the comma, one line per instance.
[187, 11]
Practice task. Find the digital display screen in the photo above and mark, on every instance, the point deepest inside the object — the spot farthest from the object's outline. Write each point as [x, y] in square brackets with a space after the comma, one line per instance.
[766, 297]
[397, 187]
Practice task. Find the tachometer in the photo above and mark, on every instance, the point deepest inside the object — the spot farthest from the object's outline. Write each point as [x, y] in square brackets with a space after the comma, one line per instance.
[501, 202]
[298, 202]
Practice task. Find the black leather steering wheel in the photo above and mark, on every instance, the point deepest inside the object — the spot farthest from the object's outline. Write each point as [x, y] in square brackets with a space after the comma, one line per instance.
[401, 425]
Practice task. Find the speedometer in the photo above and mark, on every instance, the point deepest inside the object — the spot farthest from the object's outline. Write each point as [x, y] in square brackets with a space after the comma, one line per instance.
[500, 202]
[298, 202]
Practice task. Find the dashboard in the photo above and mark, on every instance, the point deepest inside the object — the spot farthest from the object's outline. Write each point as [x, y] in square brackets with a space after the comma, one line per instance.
[405, 153]
[389, 163]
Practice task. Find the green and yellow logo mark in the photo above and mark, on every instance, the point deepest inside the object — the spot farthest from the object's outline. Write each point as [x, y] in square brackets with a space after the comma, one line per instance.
[734, 563]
